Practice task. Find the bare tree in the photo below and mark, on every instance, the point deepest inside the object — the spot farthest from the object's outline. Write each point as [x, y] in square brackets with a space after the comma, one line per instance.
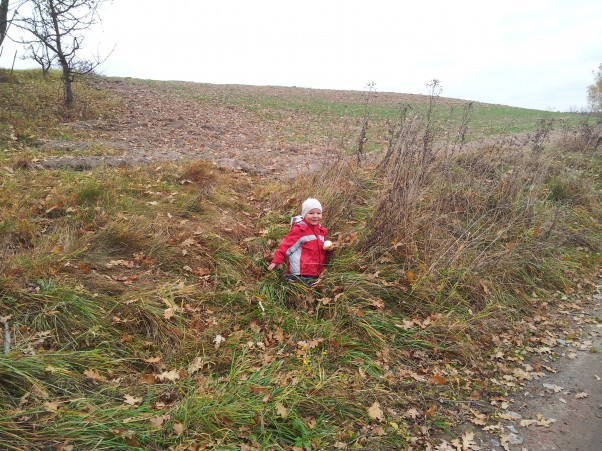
[3, 20]
[41, 55]
[59, 26]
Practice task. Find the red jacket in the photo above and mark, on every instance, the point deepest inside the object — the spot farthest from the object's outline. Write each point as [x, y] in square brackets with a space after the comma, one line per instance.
[303, 247]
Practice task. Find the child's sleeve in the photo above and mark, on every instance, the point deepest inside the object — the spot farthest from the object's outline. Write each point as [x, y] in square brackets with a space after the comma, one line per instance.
[288, 241]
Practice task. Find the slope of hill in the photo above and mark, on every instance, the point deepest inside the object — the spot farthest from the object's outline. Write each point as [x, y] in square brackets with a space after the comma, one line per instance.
[136, 229]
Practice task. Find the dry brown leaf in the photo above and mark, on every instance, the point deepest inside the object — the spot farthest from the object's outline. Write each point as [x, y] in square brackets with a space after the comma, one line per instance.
[406, 324]
[147, 378]
[527, 423]
[378, 303]
[581, 395]
[444, 446]
[554, 388]
[218, 340]
[431, 412]
[51, 406]
[479, 419]
[169, 375]
[375, 412]
[437, 379]
[195, 365]
[282, 411]
[188, 242]
[279, 335]
[178, 428]
[153, 360]
[95, 375]
[412, 413]
[132, 400]
[158, 421]
[541, 421]
[168, 313]
[468, 442]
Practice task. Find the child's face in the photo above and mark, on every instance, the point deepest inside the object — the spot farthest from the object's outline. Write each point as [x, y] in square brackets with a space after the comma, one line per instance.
[313, 217]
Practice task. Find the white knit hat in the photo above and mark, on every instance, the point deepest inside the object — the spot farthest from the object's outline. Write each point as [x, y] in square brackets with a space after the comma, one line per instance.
[309, 205]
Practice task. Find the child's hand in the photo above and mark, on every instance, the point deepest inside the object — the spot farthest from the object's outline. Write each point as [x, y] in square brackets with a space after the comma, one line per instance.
[272, 266]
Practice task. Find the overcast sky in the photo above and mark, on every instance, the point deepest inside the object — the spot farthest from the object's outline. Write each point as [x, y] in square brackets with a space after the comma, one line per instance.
[528, 53]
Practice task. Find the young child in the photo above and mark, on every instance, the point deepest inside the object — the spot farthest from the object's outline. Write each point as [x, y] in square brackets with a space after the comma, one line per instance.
[304, 246]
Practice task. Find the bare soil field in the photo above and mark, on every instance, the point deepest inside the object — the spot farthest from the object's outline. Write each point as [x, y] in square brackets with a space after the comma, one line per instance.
[158, 125]
[183, 121]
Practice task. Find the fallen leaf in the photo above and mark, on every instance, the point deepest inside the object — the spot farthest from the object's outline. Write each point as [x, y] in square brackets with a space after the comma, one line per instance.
[375, 412]
[431, 412]
[147, 378]
[168, 313]
[581, 395]
[379, 430]
[479, 418]
[131, 400]
[437, 379]
[153, 360]
[94, 375]
[412, 413]
[527, 423]
[444, 446]
[541, 421]
[51, 406]
[279, 335]
[178, 428]
[378, 303]
[158, 421]
[406, 324]
[218, 340]
[468, 442]
[282, 411]
[169, 375]
[553, 387]
[188, 242]
[195, 365]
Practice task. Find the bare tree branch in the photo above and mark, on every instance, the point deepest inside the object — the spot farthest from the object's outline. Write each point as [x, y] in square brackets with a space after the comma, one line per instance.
[59, 26]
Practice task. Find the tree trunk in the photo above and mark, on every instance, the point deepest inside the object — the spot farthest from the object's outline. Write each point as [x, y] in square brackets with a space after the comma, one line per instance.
[3, 20]
[67, 79]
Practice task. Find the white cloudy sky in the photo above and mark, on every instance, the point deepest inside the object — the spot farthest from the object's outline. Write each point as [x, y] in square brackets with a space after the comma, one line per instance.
[529, 53]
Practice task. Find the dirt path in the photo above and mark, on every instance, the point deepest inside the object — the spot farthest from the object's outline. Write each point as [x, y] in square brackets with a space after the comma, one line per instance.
[573, 395]
[560, 407]
[161, 123]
